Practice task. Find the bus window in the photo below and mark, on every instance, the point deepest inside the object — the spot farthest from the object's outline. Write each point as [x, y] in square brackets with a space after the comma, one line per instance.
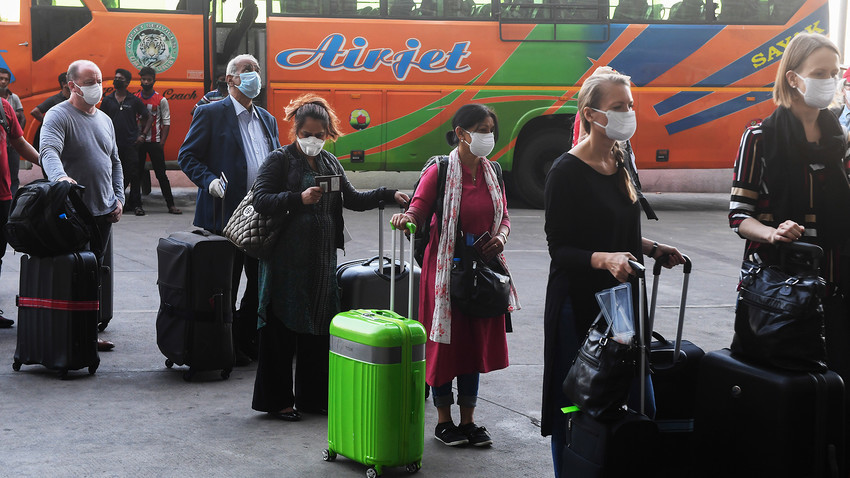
[783, 10]
[231, 12]
[54, 21]
[10, 11]
[158, 5]
[569, 10]
[453, 9]
[745, 11]
[403, 8]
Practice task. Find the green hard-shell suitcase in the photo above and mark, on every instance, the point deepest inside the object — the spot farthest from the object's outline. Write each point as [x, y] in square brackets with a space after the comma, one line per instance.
[376, 390]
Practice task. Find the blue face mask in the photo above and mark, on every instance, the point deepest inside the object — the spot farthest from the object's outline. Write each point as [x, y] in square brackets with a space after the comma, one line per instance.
[249, 84]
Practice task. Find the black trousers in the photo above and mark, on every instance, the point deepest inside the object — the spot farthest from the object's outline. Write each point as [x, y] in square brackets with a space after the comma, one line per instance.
[14, 166]
[154, 151]
[5, 206]
[273, 387]
[130, 164]
[245, 319]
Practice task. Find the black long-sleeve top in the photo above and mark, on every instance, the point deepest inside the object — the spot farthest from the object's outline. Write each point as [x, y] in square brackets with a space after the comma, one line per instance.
[277, 191]
[586, 212]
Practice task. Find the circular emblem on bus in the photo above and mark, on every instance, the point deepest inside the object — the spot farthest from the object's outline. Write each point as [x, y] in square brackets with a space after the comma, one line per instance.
[151, 44]
[359, 119]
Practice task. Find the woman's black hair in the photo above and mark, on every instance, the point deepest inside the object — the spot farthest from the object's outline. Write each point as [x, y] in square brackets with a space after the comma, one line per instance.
[467, 117]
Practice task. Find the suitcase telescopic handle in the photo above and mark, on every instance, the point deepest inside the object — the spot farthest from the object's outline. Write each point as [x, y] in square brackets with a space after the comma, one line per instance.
[640, 272]
[412, 228]
[381, 234]
[656, 273]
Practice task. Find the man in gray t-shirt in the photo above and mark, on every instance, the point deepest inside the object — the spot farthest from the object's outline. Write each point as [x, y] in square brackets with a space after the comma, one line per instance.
[78, 145]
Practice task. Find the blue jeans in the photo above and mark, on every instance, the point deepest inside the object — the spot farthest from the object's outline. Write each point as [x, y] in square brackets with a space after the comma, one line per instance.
[565, 354]
[467, 391]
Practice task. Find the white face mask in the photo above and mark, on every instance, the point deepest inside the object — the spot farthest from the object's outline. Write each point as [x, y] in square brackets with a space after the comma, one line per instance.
[311, 146]
[819, 92]
[92, 93]
[621, 124]
[481, 144]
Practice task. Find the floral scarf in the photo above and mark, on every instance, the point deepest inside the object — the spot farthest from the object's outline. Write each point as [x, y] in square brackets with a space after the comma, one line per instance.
[441, 328]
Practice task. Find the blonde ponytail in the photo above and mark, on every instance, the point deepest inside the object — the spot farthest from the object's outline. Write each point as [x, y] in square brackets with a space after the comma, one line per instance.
[627, 187]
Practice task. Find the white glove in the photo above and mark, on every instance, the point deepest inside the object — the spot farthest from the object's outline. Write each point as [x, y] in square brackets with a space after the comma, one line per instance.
[216, 188]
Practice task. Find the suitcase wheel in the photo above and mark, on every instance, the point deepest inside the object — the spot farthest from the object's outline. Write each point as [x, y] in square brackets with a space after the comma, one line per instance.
[413, 467]
[102, 326]
[92, 369]
[328, 455]
[371, 472]
[16, 366]
[169, 363]
[225, 374]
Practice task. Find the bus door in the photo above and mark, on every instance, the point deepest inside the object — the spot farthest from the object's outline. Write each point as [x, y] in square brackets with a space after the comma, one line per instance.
[16, 45]
[240, 27]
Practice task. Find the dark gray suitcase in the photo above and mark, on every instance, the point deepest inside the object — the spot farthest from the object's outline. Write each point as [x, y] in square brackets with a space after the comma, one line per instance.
[622, 445]
[58, 312]
[195, 319]
[365, 283]
[757, 421]
[675, 371]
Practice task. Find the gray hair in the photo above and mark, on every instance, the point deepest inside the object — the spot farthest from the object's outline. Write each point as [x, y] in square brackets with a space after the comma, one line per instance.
[74, 68]
[231, 65]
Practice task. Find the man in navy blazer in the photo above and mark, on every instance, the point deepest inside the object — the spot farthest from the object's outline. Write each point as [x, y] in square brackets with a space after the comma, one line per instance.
[227, 142]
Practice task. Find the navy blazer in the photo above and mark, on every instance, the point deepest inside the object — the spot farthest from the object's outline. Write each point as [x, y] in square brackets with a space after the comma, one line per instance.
[214, 145]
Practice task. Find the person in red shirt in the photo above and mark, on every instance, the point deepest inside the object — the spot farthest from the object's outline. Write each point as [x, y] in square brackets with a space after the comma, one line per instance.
[12, 134]
[155, 137]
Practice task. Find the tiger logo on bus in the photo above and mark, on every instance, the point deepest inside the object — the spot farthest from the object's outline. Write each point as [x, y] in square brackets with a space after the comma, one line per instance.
[151, 44]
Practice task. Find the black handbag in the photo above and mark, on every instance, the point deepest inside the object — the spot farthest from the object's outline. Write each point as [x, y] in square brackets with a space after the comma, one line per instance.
[599, 379]
[778, 317]
[478, 288]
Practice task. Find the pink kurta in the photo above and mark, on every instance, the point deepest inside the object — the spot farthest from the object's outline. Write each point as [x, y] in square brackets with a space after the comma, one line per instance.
[478, 344]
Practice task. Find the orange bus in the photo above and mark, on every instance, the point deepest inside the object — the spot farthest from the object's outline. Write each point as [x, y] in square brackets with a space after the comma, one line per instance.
[398, 69]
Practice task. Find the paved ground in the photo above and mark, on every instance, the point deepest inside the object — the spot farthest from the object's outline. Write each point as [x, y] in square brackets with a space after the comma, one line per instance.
[134, 417]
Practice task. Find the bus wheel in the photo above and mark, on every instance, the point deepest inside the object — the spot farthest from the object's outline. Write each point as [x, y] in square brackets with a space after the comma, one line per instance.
[534, 161]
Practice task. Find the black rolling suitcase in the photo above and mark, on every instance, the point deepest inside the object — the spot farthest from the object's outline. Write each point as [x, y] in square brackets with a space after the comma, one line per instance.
[58, 312]
[365, 284]
[675, 372]
[195, 319]
[757, 421]
[619, 446]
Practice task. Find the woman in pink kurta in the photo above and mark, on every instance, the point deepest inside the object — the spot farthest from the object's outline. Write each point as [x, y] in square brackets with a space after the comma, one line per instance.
[460, 346]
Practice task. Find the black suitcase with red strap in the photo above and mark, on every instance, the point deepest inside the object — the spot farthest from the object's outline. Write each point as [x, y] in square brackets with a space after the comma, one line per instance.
[58, 313]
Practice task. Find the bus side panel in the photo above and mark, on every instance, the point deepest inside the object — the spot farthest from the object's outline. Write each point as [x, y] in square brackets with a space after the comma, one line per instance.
[702, 135]
[16, 50]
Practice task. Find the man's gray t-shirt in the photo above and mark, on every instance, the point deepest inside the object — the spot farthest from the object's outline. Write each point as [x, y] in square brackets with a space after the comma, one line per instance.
[82, 146]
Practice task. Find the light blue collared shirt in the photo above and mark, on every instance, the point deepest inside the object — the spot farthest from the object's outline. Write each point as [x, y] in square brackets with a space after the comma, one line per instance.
[254, 140]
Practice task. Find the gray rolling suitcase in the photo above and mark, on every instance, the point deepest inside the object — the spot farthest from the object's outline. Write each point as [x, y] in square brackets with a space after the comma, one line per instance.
[195, 318]
[365, 283]
[58, 312]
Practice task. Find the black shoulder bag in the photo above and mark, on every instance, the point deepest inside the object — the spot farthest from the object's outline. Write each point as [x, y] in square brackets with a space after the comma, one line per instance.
[779, 318]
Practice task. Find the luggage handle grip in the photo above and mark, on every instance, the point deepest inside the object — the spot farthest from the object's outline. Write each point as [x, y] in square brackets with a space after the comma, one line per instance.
[638, 268]
[659, 263]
